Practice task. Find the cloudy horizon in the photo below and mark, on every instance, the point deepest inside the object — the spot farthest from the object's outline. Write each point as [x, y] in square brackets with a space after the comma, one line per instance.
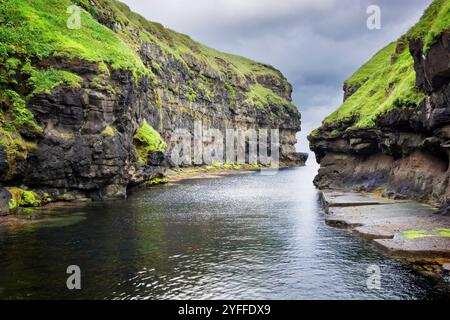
[316, 44]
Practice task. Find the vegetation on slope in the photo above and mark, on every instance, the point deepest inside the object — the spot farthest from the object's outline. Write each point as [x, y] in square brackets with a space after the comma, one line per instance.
[383, 86]
[183, 48]
[387, 81]
[111, 36]
[177, 44]
[37, 29]
[260, 97]
[44, 81]
[33, 30]
[434, 21]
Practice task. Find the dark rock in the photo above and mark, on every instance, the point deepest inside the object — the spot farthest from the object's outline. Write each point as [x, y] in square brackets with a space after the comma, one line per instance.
[388, 194]
[5, 198]
[156, 158]
[432, 69]
[33, 217]
[4, 167]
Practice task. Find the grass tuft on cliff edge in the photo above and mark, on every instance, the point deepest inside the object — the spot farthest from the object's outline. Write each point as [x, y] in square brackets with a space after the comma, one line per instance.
[147, 140]
[383, 86]
[435, 20]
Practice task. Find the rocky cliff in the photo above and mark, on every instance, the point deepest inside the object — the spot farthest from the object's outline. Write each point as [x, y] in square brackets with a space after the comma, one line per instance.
[392, 132]
[91, 94]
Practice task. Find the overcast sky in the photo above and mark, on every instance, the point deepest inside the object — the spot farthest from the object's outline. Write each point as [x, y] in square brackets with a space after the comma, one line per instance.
[317, 44]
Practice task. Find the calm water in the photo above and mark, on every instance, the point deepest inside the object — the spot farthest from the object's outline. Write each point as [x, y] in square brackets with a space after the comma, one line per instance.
[252, 236]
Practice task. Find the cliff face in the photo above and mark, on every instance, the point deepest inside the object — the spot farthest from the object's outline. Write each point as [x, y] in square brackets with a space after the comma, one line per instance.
[91, 96]
[393, 131]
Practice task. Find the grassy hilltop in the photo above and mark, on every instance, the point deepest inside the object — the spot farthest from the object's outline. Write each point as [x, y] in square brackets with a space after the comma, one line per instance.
[387, 80]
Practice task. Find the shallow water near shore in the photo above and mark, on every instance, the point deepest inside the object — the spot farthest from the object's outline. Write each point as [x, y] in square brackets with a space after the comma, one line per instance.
[239, 237]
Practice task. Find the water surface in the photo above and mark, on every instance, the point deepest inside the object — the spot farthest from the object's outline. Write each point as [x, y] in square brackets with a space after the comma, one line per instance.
[240, 237]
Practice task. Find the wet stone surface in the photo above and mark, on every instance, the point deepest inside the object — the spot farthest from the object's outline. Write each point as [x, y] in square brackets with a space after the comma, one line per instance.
[401, 228]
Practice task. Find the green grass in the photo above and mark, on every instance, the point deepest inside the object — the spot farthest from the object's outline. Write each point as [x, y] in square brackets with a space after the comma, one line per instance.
[109, 132]
[156, 181]
[17, 149]
[181, 46]
[33, 30]
[147, 140]
[44, 81]
[380, 60]
[441, 24]
[415, 234]
[23, 198]
[16, 108]
[442, 232]
[150, 138]
[232, 166]
[37, 28]
[178, 44]
[434, 21]
[383, 86]
[262, 97]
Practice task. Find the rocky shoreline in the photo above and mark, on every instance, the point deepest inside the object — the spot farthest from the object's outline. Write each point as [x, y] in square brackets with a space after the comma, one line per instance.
[403, 229]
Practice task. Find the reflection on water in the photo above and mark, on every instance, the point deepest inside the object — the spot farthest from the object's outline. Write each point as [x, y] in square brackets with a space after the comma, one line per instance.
[253, 236]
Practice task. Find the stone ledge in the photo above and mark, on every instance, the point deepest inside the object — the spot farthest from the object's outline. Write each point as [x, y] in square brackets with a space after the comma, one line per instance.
[384, 221]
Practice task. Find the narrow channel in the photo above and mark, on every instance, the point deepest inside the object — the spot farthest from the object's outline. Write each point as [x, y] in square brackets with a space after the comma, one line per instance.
[240, 237]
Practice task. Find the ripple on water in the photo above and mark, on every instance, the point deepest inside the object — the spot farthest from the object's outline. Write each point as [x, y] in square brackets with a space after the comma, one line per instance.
[251, 236]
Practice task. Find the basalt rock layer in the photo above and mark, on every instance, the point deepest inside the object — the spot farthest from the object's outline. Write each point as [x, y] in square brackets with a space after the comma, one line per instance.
[393, 131]
[80, 79]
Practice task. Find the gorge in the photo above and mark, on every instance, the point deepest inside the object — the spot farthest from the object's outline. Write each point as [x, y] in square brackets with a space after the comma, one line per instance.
[88, 112]
[162, 168]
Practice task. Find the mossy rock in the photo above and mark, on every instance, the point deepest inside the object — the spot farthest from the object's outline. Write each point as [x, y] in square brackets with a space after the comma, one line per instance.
[109, 132]
[415, 234]
[146, 140]
[23, 198]
[156, 181]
